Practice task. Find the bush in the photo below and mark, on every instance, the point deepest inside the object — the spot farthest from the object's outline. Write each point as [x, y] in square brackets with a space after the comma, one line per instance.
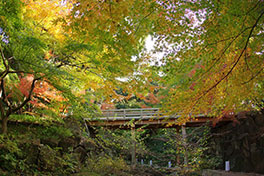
[21, 152]
[106, 166]
[9, 153]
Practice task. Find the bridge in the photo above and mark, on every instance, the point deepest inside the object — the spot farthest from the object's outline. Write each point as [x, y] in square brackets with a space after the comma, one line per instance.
[144, 117]
[147, 118]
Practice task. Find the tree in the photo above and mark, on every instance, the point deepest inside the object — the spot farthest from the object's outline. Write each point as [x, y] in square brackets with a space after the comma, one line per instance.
[52, 42]
[87, 45]
[10, 12]
[206, 69]
[27, 64]
[214, 62]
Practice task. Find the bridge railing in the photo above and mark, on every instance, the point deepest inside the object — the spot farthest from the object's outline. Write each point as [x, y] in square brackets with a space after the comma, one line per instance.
[130, 113]
[136, 113]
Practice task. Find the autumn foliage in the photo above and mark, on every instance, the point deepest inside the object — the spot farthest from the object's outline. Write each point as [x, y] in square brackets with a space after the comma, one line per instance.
[51, 50]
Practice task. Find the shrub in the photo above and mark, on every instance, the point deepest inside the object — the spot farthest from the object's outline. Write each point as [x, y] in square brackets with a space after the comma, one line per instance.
[106, 166]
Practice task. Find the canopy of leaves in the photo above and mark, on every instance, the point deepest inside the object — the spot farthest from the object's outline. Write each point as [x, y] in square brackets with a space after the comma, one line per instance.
[213, 53]
[214, 65]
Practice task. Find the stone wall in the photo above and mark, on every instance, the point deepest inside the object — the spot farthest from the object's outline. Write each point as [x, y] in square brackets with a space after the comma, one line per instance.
[242, 142]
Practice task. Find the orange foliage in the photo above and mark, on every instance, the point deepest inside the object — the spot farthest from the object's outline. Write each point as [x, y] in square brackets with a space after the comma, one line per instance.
[106, 106]
[43, 92]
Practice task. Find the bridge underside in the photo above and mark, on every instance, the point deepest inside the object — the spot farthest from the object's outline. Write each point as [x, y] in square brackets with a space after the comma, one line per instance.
[154, 123]
[147, 118]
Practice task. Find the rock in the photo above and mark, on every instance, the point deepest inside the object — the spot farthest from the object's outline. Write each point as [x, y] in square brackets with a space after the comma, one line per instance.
[74, 125]
[30, 150]
[32, 153]
[259, 120]
[68, 143]
[257, 155]
[47, 158]
[82, 153]
[50, 142]
[88, 144]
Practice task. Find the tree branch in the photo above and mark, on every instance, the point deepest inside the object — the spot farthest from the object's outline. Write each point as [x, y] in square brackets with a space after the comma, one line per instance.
[250, 10]
[4, 73]
[19, 71]
[226, 39]
[4, 60]
[2, 111]
[143, 19]
[26, 100]
[235, 64]
[4, 98]
[253, 77]
[223, 52]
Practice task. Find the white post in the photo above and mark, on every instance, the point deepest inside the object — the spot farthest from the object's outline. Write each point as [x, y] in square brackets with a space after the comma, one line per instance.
[227, 166]
[142, 161]
[169, 164]
[150, 162]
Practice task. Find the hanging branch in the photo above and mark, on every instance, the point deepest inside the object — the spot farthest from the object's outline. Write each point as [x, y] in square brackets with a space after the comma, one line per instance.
[235, 64]
[223, 52]
[253, 77]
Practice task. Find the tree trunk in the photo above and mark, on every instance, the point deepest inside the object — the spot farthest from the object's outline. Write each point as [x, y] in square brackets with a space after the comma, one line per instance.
[184, 136]
[4, 125]
[133, 148]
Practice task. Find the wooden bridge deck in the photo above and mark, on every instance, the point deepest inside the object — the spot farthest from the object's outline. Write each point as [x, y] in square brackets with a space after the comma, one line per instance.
[148, 117]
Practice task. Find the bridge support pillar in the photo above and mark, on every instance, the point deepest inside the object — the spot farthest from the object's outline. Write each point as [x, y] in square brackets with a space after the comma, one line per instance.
[184, 137]
[133, 148]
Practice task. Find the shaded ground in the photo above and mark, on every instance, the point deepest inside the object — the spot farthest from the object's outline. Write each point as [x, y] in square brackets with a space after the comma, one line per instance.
[148, 171]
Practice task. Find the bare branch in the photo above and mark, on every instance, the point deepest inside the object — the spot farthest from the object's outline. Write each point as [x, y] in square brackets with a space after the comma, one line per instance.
[20, 71]
[143, 19]
[110, 11]
[253, 77]
[3, 74]
[223, 52]
[4, 59]
[250, 10]
[246, 61]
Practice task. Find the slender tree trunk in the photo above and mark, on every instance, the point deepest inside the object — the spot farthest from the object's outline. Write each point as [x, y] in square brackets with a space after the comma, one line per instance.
[133, 148]
[184, 136]
[4, 125]
[4, 118]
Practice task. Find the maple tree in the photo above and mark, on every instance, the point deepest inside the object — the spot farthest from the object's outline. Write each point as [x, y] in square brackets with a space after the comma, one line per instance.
[57, 49]
[28, 73]
[44, 45]
[213, 64]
